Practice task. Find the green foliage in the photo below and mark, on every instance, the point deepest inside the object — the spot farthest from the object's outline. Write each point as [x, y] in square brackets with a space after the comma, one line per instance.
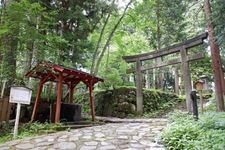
[83, 99]
[218, 18]
[121, 102]
[213, 120]
[157, 102]
[112, 78]
[29, 129]
[201, 67]
[186, 133]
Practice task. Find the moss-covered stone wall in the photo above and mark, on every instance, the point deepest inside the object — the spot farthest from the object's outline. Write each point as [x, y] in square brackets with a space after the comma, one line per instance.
[121, 102]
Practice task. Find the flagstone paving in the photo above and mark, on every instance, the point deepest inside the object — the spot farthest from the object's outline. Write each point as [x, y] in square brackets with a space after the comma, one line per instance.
[126, 135]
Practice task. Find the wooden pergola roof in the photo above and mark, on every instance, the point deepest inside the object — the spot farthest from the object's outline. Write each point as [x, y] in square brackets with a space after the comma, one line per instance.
[46, 71]
[51, 71]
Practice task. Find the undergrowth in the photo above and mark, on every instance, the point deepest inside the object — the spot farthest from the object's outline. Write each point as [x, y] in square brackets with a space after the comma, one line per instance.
[184, 133]
[29, 129]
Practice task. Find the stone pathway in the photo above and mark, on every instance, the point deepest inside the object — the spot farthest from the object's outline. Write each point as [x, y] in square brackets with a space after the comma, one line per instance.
[129, 135]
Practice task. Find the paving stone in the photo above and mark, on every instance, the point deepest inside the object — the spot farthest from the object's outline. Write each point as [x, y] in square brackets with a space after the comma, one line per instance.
[77, 134]
[105, 143]
[124, 146]
[133, 149]
[146, 142]
[87, 134]
[141, 134]
[65, 145]
[87, 137]
[92, 143]
[25, 146]
[5, 148]
[99, 135]
[88, 148]
[39, 148]
[87, 131]
[44, 143]
[63, 136]
[39, 140]
[73, 138]
[145, 129]
[121, 142]
[61, 140]
[133, 141]
[152, 148]
[156, 131]
[136, 137]
[100, 139]
[50, 140]
[123, 137]
[49, 137]
[108, 147]
[98, 129]
[109, 137]
[136, 145]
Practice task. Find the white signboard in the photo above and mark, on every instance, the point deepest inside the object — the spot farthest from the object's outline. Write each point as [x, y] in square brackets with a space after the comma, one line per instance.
[20, 95]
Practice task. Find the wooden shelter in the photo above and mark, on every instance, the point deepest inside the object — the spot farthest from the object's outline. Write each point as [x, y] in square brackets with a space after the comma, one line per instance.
[46, 71]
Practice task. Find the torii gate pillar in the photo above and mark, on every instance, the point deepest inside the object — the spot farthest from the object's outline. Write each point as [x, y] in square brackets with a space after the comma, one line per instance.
[186, 78]
[139, 95]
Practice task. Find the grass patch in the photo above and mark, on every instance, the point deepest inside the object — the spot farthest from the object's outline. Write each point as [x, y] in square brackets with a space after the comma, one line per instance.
[28, 130]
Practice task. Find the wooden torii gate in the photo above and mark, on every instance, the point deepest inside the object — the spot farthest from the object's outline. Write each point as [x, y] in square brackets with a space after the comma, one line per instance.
[182, 48]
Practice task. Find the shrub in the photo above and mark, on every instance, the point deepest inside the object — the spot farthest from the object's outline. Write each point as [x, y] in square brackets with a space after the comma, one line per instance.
[205, 134]
[210, 140]
[213, 120]
[181, 132]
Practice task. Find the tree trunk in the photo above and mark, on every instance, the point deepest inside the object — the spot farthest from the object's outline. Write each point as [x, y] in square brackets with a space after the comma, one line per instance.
[159, 77]
[109, 39]
[216, 62]
[10, 63]
[99, 41]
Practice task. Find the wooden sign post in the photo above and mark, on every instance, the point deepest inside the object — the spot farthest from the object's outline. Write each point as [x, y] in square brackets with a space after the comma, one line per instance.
[199, 87]
[19, 95]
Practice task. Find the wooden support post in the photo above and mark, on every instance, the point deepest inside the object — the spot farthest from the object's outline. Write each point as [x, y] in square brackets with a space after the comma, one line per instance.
[71, 93]
[92, 101]
[176, 81]
[59, 97]
[3, 88]
[15, 132]
[36, 101]
[4, 106]
[186, 78]
[201, 101]
[139, 96]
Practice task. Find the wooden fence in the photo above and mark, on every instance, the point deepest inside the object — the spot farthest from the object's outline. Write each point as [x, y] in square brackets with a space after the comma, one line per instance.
[5, 108]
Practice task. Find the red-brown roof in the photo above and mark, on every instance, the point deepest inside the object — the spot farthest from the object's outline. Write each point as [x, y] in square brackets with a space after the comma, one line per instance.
[50, 70]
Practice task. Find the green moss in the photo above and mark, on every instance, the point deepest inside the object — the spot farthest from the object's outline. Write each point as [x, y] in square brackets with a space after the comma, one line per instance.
[121, 102]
